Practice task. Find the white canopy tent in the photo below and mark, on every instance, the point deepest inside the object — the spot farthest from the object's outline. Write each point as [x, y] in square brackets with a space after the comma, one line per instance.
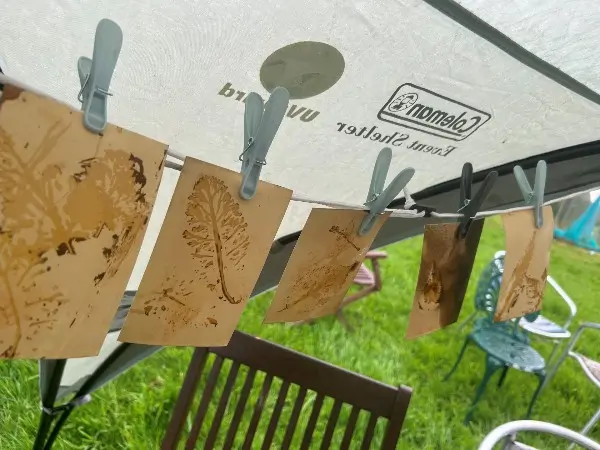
[441, 83]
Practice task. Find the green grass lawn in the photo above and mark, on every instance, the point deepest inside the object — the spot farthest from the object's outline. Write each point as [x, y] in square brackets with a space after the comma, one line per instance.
[133, 411]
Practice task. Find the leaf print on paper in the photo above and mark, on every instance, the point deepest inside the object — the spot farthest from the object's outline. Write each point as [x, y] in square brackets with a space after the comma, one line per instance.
[319, 282]
[218, 234]
[344, 236]
[521, 284]
[318, 285]
[171, 303]
[432, 289]
[45, 212]
[116, 184]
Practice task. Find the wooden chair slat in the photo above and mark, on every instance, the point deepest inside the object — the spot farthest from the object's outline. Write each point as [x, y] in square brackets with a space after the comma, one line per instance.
[239, 410]
[204, 402]
[312, 421]
[184, 400]
[283, 391]
[350, 427]
[369, 432]
[258, 409]
[291, 427]
[331, 423]
[218, 418]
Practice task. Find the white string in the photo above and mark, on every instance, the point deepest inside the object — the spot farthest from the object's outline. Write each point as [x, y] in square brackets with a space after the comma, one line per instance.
[176, 155]
[405, 213]
[297, 197]
[549, 202]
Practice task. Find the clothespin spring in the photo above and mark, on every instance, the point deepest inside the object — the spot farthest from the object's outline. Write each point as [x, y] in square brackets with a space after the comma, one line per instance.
[98, 89]
[379, 198]
[262, 162]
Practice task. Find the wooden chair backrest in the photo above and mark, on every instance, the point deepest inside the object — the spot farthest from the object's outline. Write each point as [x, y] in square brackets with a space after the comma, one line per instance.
[313, 379]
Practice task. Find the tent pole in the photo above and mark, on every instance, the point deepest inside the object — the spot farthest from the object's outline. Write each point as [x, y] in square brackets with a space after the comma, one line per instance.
[48, 404]
[58, 426]
[84, 390]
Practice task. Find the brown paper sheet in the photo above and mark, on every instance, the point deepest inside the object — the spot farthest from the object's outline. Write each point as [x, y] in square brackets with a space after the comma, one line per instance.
[323, 264]
[73, 213]
[525, 265]
[446, 264]
[206, 262]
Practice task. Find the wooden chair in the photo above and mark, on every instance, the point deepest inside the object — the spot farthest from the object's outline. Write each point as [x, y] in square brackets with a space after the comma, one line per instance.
[290, 370]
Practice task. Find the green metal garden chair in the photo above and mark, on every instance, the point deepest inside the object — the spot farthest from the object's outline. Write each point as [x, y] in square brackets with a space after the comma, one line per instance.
[541, 326]
[504, 343]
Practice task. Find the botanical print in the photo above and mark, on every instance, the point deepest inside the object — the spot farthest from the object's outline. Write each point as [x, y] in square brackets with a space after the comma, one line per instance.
[432, 289]
[218, 232]
[322, 266]
[73, 210]
[446, 264]
[217, 235]
[525, 265]
[207, 259]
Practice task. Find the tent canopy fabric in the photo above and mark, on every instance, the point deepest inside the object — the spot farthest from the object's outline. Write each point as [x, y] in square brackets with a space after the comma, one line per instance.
[404, 74]
[184, 70]
[439, 82]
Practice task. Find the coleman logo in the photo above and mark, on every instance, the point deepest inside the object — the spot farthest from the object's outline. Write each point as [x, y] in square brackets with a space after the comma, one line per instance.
[423, 110]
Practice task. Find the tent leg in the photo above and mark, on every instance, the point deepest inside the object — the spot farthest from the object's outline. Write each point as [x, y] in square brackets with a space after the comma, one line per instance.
[59, 424]
[48, 404]
[80, 395]
[43, 428]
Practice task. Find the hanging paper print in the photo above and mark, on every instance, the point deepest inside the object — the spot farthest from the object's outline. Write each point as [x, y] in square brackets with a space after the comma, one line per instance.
[209, 254]
[446, 264]
[324, 263]
[525, 265]
[73, 212]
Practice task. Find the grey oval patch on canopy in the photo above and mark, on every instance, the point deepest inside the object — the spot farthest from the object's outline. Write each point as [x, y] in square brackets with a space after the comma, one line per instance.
[305, 69]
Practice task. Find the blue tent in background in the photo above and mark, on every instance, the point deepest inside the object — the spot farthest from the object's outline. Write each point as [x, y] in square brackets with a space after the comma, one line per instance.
[581, 231]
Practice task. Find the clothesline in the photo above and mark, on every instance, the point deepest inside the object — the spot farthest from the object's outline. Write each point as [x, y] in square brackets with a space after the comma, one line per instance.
[404, 213]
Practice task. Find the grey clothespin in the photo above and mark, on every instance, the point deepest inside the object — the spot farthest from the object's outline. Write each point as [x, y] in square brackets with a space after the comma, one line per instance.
[95, 75]
[260, 125]
[379, 198]
[535, 196]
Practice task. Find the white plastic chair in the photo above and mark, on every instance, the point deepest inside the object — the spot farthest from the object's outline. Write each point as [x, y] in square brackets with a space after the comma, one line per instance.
[506, 434]
[590, 367]
[544, 327]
